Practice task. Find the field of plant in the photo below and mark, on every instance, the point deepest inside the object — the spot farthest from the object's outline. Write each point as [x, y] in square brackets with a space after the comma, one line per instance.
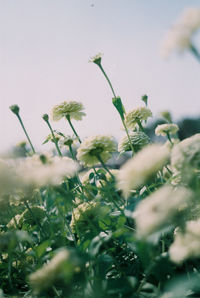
[74, 224]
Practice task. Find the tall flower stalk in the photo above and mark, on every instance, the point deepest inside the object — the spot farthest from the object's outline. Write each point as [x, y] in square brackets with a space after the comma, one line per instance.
[116, 100]
[15, 109]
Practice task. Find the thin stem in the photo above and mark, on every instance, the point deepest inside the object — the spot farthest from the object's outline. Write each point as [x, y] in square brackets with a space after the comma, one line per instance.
[72, 127]
[54, 139]
[169, 138]
[129, 139]
[109, 82]
[22, 125]
[71, 152]
[104, 165]
[195, 52]
[34, 218]
[140, 125]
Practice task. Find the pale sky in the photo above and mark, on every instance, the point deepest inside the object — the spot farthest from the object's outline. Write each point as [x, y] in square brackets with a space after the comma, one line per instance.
[45, 46]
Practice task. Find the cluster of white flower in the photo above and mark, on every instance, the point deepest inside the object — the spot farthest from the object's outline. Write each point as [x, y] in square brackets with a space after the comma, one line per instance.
[168, 128]
[180, 36]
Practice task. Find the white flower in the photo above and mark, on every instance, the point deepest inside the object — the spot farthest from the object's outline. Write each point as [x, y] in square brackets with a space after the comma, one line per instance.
[168, 128]
[94, 147]
[34, 172]
[46, 276]
[73, 109]
[137, 114]
[142, 167]
[186, 153]
[96, 59]
[186, 244]
[159, 209]
[180, 35]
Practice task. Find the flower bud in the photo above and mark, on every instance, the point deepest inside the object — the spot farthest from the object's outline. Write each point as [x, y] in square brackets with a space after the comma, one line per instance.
[15, 109]
[45, 117]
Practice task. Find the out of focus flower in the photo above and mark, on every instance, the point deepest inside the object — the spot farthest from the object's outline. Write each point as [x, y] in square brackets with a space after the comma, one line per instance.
[137, 114]
[166, 115]
[138, 139]
[186, 153]
[168, 128]
[39, 170]
[187, 243]
[94, 147]
[14, 223]
[8, 180]
[142, 167]
[84, 217]
[72, 109]
[51, 138]
[179, 37]
[66, 141]
[160, 209]
[61, 267]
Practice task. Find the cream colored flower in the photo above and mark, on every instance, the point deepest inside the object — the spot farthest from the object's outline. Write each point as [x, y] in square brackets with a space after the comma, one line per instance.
[168, 128]
[142, 167]
[96, 59]
[186, 153]
[84, 216]
[137, 114]
[160, 209]
[73, 109]
[179, 37]
[138, 139]
[45, 277]
[41, 170]
[94, 147]
[67, 141]
[186, 244]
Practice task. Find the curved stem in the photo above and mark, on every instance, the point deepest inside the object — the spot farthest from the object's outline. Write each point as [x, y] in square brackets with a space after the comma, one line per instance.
[72, 127]
[54, 139]
[109, 82]
[104, 165]
[22, 125]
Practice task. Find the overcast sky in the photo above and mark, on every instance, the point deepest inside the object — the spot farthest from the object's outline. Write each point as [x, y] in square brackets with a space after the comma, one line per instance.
[45, 46]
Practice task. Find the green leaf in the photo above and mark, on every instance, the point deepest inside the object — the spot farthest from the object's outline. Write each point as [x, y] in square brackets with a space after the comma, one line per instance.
[119, 106]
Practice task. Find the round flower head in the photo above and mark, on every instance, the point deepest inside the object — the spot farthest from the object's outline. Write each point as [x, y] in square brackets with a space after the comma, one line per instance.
[180, 35]
[72, 109]
[139, 114]
[186, 244]
[186, 153]
[94, 147]
[142, 167]
[160, 209]
[138, 139]
[168, 128]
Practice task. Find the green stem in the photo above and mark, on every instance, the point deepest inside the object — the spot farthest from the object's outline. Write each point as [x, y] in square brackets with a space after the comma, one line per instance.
[109, 82]
[104, 165]
[169, 138]
[36, 221]
[72, 127]
[71, 152]
[54, 139]
[22, 125]
[140, 125]
[195, 52]
[129, 139]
